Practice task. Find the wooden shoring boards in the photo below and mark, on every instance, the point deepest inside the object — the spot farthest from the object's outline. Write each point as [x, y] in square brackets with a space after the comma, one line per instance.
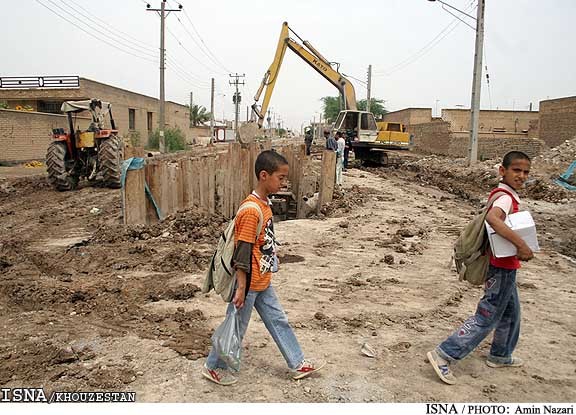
[307, 183]
[203, 184]
[172, 188]
[219, 181]
[254, 152]
[235, 178]
[327, 178]
[245, 171]
[195, 183]
[134, 198]
[186, 175]
[154, 180]
[210, 184]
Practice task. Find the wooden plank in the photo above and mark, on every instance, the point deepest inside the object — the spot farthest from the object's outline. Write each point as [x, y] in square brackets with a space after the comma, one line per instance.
[235, 177]
[178, 186]
[306, 188]
[134, 198]
[186, 183]
[327, 178]
[219, 183]
[172, 190]
[245, 169]
[254, 151]
[195, 183]
[211, 188]
[153, 178]
[163, 200]
[203, 184]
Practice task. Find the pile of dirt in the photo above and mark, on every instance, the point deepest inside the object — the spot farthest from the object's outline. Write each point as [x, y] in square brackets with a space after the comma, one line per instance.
[555, 161]
[183, 227]
[346, 202]
[14, 186]
[473, 182]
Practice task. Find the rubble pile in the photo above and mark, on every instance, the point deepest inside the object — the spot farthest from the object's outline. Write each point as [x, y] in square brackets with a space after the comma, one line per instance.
[473, 182]
[556, 160]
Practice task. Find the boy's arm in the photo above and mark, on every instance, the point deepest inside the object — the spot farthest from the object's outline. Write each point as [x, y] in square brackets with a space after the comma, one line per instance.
[495, 218]
[241, 288]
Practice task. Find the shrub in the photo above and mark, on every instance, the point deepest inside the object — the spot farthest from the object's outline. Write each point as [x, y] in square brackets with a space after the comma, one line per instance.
[173, 139]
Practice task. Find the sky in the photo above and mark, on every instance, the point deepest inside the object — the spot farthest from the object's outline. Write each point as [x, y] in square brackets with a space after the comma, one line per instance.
[421, 56]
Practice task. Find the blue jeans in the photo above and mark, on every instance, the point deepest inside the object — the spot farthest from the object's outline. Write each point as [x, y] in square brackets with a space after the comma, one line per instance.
[271, 312]
[499, 309]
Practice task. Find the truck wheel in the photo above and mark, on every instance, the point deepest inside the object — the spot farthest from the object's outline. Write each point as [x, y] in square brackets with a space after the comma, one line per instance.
[110, 161]
[59, 175]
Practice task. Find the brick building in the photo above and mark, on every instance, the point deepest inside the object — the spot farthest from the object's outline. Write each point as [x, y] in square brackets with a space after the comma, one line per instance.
[558, 120]
[499, 131]
[25, 135]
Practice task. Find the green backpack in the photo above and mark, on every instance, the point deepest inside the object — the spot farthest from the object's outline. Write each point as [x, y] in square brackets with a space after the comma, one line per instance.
[471, 248]
[220, 274]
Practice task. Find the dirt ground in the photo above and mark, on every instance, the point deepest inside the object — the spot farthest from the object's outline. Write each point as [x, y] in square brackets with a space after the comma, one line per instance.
[86, 304]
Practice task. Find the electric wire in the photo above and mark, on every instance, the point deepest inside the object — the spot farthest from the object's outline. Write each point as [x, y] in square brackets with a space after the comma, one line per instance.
[190, 53]
[425, 49]
[96, 37]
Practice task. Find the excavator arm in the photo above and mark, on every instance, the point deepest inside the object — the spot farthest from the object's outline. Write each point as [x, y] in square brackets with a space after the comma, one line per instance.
[313, 58]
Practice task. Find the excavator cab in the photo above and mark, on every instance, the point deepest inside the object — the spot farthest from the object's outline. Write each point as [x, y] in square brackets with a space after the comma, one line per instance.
[357, 125]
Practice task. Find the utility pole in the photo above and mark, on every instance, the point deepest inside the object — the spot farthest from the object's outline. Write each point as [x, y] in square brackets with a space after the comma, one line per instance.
[368, 88]
[476, 84]
[162, 12]
[236, 100]
[212, 110]
[191, 104]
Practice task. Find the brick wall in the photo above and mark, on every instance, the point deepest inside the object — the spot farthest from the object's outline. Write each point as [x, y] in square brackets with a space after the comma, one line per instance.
[432, 137]
[26, 135]
[495, 146]
[557, 120]
[122, 100]
[510, 121]
[410, 116]
[437, 138]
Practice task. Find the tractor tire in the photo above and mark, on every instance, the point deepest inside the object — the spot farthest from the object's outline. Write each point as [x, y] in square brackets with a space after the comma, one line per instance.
[110, 157]
[58, 175]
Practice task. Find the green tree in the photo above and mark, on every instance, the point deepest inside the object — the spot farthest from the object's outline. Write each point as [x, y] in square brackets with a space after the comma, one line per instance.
[376, 107]
[198, 115]
[331, 107]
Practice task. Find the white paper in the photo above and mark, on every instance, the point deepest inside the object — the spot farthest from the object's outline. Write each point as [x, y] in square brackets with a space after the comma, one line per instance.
[521, 223]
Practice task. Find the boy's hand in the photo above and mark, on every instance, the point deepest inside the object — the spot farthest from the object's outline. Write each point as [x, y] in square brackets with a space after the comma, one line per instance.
[525, 253]
[238, 299]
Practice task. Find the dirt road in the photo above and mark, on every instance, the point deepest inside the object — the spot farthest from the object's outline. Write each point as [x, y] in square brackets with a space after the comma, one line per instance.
[88, 305]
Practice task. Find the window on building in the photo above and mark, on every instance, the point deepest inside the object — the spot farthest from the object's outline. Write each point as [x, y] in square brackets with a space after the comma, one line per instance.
[52, 107]
[131, 119]
[150, 122]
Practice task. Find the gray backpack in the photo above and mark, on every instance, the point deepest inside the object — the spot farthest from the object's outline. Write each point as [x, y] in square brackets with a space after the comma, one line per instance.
[471, 248]
[220, 274]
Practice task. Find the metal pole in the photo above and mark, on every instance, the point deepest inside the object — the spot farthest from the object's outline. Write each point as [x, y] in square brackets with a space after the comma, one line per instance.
[368, 88]
[212, 110]
[476, 86]
[162, 118]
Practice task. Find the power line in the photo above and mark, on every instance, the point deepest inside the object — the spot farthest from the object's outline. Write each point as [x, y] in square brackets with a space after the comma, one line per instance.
[93, 35]
[189, 53]
[200, 47]
[204, 43]
[425, 49]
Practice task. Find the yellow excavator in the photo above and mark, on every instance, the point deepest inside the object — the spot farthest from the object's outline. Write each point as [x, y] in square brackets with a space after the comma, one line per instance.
[360, 126]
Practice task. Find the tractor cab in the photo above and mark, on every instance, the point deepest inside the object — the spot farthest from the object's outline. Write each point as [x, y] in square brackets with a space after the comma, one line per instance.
[357, 125]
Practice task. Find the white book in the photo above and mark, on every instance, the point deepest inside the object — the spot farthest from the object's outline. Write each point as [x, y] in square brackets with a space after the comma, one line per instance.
[521, 223]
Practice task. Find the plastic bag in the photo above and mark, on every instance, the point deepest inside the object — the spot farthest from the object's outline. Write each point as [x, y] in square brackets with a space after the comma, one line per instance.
[226, 340]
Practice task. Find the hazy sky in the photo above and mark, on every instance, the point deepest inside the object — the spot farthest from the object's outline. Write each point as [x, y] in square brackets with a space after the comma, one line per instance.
[421, 55]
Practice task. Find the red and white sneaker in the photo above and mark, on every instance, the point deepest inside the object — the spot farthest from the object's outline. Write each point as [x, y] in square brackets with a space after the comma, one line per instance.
[307, 367]
[220, 376]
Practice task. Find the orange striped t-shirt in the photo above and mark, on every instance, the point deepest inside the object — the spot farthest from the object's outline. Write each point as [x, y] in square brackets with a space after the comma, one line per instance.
[263, 249]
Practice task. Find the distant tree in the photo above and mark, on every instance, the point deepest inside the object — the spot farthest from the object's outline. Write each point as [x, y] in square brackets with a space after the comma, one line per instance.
[376, 107]
[332, 107]
[198, 115]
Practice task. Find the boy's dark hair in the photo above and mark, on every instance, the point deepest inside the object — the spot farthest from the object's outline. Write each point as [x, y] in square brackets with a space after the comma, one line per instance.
[270, 161]
[514, 155]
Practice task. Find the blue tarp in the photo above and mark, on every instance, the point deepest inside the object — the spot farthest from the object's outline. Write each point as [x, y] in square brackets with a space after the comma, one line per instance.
[563, 179]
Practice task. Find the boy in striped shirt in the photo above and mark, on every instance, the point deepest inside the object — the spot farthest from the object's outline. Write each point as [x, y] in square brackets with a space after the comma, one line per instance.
[254, 261]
